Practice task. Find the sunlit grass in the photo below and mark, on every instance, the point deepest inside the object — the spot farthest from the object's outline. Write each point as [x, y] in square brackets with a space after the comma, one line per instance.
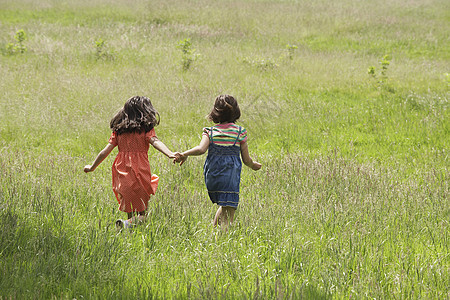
[328, 226]
[352, 198]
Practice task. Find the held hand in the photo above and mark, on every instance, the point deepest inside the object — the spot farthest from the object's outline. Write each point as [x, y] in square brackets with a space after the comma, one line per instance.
[256, 166]
[88, 168]
[179, 158]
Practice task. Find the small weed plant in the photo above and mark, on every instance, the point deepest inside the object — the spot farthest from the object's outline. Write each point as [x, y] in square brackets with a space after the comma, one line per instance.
[381, 78]
[382, 74]
[188, 55]
[101, 51]
[290, 51]
[18, 46]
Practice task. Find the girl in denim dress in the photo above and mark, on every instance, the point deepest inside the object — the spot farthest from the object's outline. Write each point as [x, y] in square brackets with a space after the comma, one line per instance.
[226, 143]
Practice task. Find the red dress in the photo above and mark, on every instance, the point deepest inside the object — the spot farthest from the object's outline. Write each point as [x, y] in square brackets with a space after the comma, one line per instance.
[132, 180]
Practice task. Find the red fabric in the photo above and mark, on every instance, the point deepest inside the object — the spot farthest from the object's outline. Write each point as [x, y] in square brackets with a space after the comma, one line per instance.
[132, 180]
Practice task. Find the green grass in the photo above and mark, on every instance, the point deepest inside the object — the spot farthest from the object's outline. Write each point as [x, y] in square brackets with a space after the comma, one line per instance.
[352, 200]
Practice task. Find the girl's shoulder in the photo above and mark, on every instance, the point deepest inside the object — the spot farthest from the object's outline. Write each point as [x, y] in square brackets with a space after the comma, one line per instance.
[239, 131]
[223, 127]
[226, 126]
[131, 135]
[232, 128]
[228, 132]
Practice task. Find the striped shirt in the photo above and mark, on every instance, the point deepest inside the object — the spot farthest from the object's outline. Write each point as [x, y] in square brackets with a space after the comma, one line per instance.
[225, 134]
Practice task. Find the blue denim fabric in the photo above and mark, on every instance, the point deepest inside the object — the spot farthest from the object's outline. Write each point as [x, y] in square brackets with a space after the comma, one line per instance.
[222, 171]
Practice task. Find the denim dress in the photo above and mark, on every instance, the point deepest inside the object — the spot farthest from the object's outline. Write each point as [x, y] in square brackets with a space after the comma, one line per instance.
[222, 171]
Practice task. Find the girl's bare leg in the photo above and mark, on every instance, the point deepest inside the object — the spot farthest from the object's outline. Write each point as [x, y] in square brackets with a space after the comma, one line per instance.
[227, 216]
[138, 217]
[133, 219]
[217, 217]
[224, 216]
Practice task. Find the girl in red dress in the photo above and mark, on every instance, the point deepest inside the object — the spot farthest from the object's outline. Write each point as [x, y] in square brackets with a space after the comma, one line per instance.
[132, 181]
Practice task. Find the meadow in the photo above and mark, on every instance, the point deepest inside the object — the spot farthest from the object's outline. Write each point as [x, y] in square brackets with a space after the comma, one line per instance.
[346, 105]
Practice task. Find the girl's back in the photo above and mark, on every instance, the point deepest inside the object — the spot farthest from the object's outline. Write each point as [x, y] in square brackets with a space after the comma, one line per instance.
[133, 141]
[226, 134]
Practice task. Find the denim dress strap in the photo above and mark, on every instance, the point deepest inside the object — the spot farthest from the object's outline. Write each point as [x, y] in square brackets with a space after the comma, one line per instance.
[211, 135]
[239, 133]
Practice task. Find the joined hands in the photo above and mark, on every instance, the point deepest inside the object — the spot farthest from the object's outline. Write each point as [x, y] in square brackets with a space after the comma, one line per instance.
[179, 158]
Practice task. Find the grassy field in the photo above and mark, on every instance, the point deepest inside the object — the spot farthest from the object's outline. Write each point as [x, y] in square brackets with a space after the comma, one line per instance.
[351, 202]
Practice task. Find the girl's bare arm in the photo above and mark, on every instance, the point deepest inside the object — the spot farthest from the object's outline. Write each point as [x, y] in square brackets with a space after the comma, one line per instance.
[200, 149]
[197, 150]
[248, 161]
[100, 157]
[161, 147]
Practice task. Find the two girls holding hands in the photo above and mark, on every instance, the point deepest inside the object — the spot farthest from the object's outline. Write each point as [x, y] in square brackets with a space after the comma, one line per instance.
[133, 183]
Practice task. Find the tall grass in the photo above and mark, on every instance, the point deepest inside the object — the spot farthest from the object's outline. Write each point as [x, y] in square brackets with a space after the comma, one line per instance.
[305, 227]
[352, 198]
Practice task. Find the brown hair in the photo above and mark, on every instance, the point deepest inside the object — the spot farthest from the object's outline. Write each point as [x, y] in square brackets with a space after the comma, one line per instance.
[225, 110]
[137, 115]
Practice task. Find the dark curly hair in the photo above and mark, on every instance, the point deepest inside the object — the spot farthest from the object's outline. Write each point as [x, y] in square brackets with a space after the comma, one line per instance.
[225, 110]
[137, 115]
